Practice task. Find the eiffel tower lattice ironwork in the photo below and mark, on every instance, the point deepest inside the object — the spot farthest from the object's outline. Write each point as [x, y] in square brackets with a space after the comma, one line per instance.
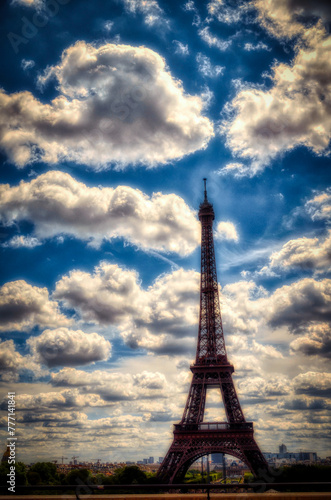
[194, 438]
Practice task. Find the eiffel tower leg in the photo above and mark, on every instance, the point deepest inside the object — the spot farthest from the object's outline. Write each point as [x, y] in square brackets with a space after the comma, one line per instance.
[255, 460]
[168, 470]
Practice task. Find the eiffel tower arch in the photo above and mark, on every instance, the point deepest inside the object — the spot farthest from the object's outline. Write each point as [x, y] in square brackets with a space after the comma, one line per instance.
[194, 438]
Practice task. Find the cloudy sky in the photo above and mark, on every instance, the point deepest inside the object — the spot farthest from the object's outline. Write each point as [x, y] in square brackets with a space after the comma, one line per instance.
[111, 115]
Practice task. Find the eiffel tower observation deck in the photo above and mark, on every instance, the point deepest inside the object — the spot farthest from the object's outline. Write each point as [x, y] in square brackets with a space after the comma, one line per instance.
[194, 438]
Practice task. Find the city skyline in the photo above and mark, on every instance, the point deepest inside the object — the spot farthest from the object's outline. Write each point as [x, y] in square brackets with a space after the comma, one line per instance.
[111, 115]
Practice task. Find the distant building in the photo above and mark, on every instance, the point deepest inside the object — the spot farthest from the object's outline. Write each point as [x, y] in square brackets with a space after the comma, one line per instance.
[161, 460]
[301, 456]
[151, 460]
[145, 460]
[282, 448]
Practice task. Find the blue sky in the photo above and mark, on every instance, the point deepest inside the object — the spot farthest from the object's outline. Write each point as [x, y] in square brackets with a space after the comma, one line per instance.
[111, 115]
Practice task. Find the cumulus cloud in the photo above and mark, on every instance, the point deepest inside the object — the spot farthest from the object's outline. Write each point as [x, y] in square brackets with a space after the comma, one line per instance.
[241, 305]
[63, 347]
[247, 307]
[284, 18]
[206, 68]
[113, 386]
[300, 304]
[258, 389]
[117, 105]
[107, 296]
[313, 383]
[293, 112]
[304, 253]
[23, 306]
[12, 363]
[213, 40]
[316, 341]
[158, 319]
[226, 230]
[67, 399]
[56, 203]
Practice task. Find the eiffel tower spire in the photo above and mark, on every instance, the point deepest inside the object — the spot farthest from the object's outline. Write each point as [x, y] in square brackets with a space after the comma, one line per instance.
[193, 437]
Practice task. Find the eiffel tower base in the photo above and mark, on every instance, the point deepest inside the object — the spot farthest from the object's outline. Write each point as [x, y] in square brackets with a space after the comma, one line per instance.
[190, 444]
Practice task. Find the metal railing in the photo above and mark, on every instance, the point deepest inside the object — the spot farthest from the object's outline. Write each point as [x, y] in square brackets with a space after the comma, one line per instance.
[214, 426]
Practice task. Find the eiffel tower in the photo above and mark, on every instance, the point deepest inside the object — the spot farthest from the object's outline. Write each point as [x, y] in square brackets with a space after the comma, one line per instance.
[194, 438]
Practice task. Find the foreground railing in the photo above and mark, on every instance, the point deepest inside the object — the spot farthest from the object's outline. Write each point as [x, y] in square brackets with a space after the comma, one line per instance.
[81, 489]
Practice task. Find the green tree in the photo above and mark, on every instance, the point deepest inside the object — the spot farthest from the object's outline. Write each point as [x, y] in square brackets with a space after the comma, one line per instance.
[33, 478]
[20, 473]
[79, 476]
[47, 472]
[130, 475]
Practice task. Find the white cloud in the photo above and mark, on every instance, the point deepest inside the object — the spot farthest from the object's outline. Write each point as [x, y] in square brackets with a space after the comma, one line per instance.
[242, 310]
[319, 207]
[301, 303]
[213, 40]
[159, 319]
[249, 47]
[224, 13]
[316, 341]
[108, 25]
[27, 64]
[108, 296]
[294, 112]
[283, 18]
[22, 241]
[152, 12]
[250, 309]
[313, 383]
[23, 306]
[113, 386]
[226, 230]
[190, 7]
[67, 399]
[235, 169]
[304, 253]
[63, 347]
[206, 68]
[117, 105]
[56, 203]
[181, 48]
[259, 389]
[266, 351]
[12, 363]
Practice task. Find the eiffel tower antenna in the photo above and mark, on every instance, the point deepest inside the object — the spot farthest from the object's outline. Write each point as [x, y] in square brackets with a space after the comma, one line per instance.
[194, 438]
[205, 183]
